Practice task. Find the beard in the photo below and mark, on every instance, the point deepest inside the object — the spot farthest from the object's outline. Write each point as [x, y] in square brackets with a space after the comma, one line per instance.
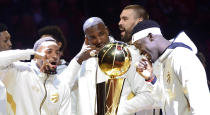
[126, 38]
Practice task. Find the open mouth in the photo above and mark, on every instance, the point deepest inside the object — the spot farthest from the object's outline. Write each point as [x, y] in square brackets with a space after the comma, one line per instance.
[53, 64]
[122, 33]
[122, 30]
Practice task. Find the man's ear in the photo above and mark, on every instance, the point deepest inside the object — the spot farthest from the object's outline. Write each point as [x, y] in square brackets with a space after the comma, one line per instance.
[107, 30]
[59, 44]
[86, 41]
[150, 35]
[140, 19]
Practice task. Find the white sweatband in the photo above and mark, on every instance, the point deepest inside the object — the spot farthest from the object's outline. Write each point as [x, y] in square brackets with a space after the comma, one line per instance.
[48, 43]
[143, 33]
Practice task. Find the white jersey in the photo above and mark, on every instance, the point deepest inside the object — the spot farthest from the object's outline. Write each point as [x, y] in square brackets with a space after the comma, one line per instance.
[184, 79]
[29, 90]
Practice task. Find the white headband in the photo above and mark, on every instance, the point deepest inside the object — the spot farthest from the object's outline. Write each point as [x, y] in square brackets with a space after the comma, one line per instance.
[145, 32]
[47, 43]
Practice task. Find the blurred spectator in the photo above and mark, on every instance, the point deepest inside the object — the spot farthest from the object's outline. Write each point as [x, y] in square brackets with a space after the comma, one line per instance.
[5, 38]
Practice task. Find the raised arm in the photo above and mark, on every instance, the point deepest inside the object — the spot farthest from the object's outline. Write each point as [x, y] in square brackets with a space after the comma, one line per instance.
[10, 56]
[10, 65]
[70, 73]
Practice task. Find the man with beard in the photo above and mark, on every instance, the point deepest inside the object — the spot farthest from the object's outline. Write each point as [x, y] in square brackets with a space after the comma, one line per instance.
[129, 17]
[34, 87]
[5, 44]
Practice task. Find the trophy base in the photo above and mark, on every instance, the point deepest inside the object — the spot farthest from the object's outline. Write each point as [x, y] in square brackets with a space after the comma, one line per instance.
[108, 96]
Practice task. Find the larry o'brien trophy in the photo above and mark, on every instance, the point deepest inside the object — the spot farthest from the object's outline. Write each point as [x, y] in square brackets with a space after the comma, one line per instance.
[114, 60]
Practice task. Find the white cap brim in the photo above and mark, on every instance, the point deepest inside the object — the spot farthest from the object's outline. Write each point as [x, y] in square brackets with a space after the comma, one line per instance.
[145, 32]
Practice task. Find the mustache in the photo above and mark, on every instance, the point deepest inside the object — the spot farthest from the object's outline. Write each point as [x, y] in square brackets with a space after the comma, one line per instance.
[101, 45]
[98, 46]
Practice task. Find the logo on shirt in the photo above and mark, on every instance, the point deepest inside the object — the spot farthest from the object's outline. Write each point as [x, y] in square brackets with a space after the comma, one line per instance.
[54, 98]
[168, 78]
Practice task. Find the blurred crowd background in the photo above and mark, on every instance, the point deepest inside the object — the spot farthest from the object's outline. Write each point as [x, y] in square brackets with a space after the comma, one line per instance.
[25, 17]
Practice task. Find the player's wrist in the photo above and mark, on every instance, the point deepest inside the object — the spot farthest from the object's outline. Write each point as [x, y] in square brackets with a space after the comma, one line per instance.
[151, 79]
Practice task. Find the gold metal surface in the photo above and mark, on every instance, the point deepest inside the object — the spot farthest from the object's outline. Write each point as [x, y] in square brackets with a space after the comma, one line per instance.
[113, 89]
[12, 103]
[114, 60]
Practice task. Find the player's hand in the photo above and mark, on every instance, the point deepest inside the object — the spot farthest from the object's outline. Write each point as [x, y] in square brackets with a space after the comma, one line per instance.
[39, 55]
[86, 53]
[144, 68]
[48, 67]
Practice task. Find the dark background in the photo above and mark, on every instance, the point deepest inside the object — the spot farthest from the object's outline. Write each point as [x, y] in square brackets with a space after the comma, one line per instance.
[25, 17]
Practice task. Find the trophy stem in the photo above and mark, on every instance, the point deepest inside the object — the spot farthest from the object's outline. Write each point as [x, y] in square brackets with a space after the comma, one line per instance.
[113, 90]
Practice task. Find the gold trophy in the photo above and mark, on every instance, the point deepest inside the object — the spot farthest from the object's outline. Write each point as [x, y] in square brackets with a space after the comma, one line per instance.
[114, 60]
